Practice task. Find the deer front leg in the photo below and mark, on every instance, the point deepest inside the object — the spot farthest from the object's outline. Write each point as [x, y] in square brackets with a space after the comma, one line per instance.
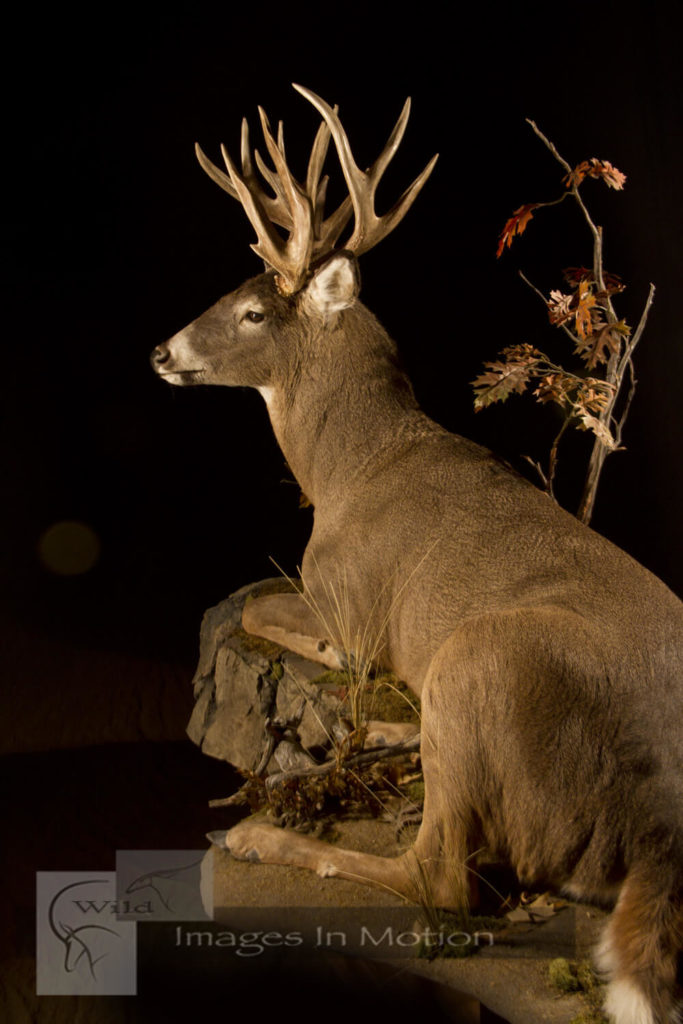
[287, 620]
[262, 843]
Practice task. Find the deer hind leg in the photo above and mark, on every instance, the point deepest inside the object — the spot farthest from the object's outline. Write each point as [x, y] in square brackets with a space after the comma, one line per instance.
[640, 946]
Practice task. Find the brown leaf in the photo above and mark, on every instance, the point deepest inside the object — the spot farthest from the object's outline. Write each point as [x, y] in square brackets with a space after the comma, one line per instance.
[507, 376]
[551, 388]
[516, 225]
[612, 282]
[589, 422]
[601, 343]
[542, 907]
[585, 301]
[576, 176]
[499, 383]
[595, 168]
[518, 915]
[559, 307]
[575, 275]
[609, 174]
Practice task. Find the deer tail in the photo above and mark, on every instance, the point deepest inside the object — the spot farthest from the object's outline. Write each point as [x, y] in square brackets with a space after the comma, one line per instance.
[641, 946]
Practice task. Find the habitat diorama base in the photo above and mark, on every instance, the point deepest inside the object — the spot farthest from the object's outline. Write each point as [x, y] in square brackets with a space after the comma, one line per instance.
[242, 687]
[351, 931]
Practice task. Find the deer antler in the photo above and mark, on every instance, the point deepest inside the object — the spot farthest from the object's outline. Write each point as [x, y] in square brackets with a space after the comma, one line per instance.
[297, 209]
[300, 209]
[369, 229]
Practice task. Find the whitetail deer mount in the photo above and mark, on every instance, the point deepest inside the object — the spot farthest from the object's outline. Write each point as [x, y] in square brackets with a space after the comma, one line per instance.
[549, 663]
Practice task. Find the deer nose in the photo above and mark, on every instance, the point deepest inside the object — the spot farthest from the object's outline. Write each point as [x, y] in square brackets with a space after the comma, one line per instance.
[160, 355]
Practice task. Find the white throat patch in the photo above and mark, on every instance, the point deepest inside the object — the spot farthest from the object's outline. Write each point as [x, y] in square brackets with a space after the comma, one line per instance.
[269, 396]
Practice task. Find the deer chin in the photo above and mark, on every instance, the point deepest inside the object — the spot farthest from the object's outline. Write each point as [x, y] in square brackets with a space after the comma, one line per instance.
[183, 378]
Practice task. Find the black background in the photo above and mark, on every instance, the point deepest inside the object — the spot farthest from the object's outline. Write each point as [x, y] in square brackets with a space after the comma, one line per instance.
[117, 239]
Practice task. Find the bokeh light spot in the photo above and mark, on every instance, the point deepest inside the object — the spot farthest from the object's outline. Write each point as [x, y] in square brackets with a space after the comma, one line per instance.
[69, 548]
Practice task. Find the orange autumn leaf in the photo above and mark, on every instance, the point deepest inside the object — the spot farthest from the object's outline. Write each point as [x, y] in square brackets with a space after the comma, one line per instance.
[595, 168]
[582, 313]
[516, 225]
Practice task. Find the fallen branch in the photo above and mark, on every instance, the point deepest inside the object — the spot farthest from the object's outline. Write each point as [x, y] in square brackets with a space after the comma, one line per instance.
[364, 757]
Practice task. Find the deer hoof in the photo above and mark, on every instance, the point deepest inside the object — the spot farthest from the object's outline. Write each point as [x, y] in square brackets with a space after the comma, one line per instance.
[326, 870]
[255, 842]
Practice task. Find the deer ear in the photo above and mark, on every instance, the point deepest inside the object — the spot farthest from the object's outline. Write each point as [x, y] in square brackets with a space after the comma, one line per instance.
[335, 285]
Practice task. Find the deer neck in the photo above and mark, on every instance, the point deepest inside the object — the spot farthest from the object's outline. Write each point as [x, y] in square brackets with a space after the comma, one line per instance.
[344, 405]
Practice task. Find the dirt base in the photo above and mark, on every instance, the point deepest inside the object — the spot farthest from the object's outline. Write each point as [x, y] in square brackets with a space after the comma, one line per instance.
[374, 934]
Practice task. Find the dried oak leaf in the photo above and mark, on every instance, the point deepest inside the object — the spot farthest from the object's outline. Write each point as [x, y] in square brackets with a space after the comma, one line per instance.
[559, 307]
[595, 394]
[601, 343]
[574, 275]
[503, 378]
[609, 174]
[585, 301]
[516, 225]
[498, 383]
[589, 422]
[552, 387]
[595, 168]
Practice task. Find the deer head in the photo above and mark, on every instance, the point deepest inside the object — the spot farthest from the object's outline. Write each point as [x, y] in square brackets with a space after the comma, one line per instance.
[310, 276]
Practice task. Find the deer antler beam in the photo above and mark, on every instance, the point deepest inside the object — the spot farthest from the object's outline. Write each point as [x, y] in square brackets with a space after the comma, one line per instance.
[369, 229]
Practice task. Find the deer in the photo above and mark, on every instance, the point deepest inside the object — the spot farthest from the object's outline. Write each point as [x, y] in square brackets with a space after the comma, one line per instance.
[548, 662]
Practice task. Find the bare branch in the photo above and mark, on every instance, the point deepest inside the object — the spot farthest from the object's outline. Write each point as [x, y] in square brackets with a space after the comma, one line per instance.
[552, 462]
[371, 756]
[626, 364]
[638, 333]
[539, 470]
[379, 753]
[616, 371]
[549, 144]
[619, 426]
[365, 757]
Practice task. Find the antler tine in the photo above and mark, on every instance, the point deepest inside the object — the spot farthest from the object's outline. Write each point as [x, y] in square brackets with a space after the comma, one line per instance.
[289, 258]
[215, 173]
[369, 229]
[289, 186]
[270, 177]
[326, 232]
[317, 158]
[276, 209]
[393, 142]
[245, 151]
[319, 205]
[329, 230]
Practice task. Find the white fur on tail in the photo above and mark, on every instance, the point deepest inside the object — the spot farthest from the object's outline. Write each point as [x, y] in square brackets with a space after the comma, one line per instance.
[626, 1004]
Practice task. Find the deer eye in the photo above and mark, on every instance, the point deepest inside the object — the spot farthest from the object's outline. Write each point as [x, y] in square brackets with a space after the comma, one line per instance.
[254, 316]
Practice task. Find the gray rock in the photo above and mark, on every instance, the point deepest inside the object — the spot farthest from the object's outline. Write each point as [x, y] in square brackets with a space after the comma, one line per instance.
[252, 696]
